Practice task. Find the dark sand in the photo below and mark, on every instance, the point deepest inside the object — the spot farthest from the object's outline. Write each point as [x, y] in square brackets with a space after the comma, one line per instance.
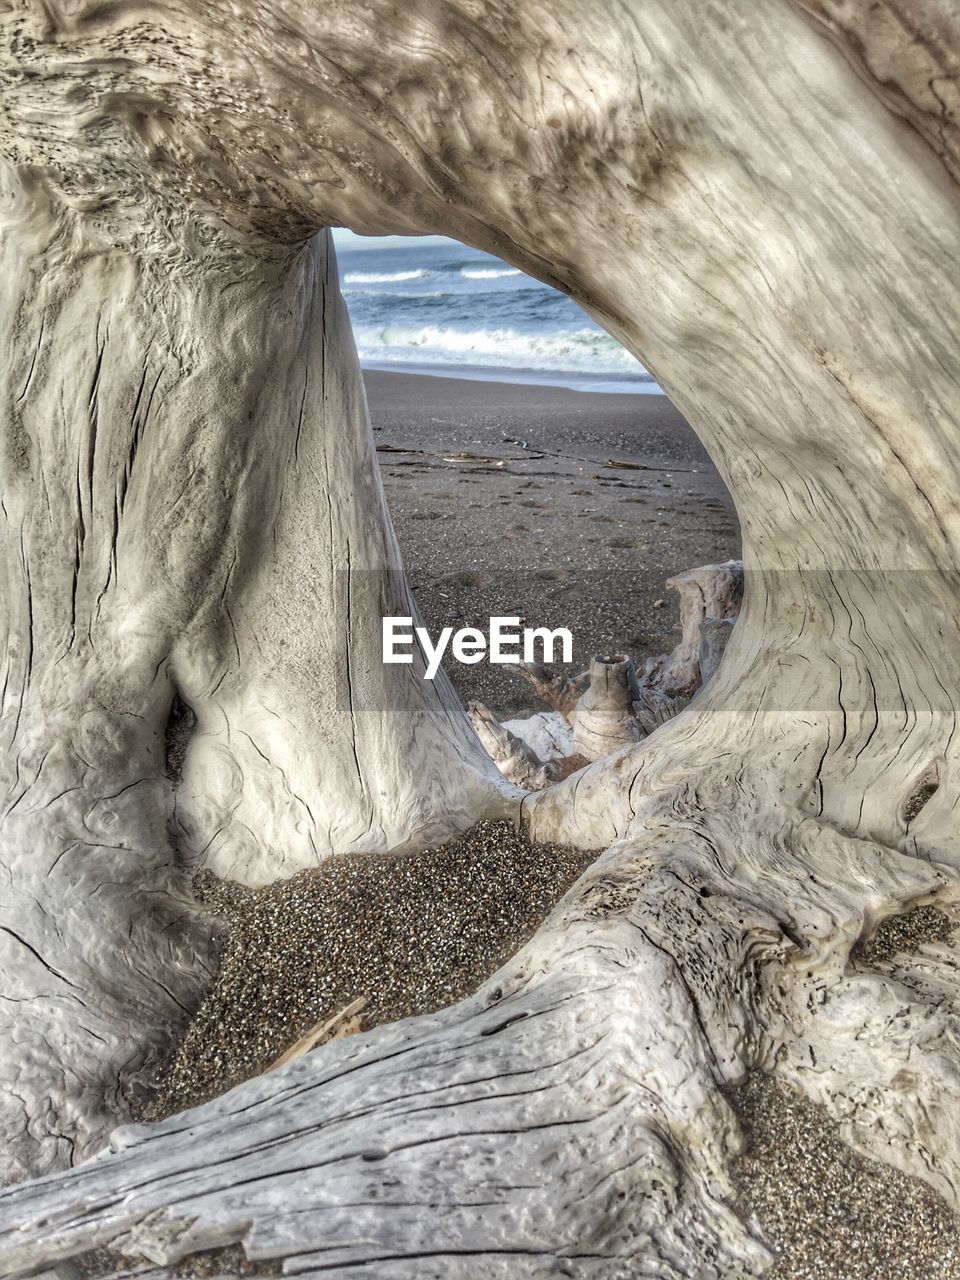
[412, 933]
[828, 1212]
[904, 933]
[572, 512]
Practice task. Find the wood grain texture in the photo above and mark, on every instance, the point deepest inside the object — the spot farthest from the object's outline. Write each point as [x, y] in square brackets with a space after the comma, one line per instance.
[191, 508]
[909, 53]
[776, 244]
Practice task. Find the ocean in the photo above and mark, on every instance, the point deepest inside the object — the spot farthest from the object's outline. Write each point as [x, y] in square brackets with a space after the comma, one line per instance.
[434, 306]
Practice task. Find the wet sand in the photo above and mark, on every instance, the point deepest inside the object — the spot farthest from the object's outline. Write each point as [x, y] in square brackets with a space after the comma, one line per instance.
[565, 508]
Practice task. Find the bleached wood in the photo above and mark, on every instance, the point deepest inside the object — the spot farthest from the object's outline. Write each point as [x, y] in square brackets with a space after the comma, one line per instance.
[711, 593]
[604, 720]
[556, 690]
[714, 636]
[195, 511]
[513, 755]
[343, 1022]
[726, 190]
[546, 732]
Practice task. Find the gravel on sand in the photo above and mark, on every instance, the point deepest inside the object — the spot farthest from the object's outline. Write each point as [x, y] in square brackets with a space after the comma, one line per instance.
[412, 932]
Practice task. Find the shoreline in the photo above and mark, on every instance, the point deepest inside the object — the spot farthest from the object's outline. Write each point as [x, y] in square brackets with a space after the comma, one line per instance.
[582, 383]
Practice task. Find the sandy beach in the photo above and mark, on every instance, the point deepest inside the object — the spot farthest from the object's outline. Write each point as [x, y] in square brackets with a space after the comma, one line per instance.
[565, 508]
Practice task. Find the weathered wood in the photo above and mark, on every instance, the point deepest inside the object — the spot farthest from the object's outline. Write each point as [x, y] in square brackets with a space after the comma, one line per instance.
[343, 1022]
[515, 759]
[554, 688]
[772, 241]
[714, 636]
[387, 1153]
[166, 457]
[711, 593]
[604, 719]
[909, 53]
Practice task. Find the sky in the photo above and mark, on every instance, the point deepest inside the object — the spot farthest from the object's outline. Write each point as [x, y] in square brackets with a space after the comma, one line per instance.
[344, 239]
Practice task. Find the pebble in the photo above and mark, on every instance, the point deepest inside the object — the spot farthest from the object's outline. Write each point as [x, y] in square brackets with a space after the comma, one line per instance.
[905, 932]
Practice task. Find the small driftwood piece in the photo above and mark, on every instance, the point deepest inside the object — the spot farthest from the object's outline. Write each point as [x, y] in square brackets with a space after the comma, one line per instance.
[515, 758]
[604, 717]
[652, 708]
[555, 689]
[714, 634]
[344, 1023]
[610, 706]
[712, 591]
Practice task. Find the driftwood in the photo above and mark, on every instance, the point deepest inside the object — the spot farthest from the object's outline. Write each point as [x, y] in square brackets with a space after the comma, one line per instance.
[714, 635]
[554, 688]
[514, 758]
[712, 593]
[608, 706]
[343, 1023]
[764, 212]
[604, 719]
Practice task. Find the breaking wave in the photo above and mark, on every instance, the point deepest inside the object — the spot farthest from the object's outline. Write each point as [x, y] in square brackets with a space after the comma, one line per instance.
[488, 273]
[439, 307]
[387, 277]
[575, 350]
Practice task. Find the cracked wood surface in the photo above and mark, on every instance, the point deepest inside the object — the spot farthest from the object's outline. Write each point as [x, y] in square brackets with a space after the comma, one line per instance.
[174, 526]
[465, 1143]
[773, 242]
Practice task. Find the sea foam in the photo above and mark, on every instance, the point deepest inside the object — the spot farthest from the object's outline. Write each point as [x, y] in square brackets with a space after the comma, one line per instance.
[488, 273]
[389, 277]
[585, 349]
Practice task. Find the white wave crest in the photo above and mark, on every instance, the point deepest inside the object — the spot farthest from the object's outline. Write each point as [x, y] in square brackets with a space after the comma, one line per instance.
[488, 273]
[395, 295]
[573, 350]
[387, 277]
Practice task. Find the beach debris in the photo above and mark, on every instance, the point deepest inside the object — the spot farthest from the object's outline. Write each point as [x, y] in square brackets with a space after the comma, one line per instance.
[483, 459]
[604, 718]
[712, 591]
[474, 457]
[714, 634]
[517, 761]
[344, 1023]
[624, 465]
[653, 708]
[547, 732]
[612, 704]
[554, 688]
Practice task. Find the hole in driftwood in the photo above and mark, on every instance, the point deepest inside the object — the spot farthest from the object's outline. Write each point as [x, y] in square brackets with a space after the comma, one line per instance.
[923, 789]
[530, 480]
[181, 726]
